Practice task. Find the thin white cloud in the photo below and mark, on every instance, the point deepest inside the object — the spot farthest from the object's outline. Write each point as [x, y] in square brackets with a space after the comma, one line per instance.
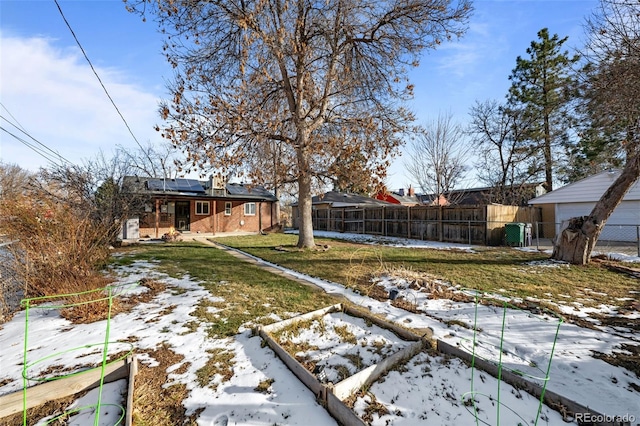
[54, 94]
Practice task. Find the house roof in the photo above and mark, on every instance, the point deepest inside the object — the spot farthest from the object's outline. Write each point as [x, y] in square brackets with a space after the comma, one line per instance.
[405, 200]
[195, 188]
[483, 195]
[343, 199]
[587, 190]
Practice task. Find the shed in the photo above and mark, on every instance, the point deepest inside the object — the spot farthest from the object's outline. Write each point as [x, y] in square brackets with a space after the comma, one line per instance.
[578, 199]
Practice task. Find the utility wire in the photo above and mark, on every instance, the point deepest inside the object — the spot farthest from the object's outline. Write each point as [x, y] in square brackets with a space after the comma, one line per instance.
[14, 119]
[23, 130]
[96, 74]
[33, 147]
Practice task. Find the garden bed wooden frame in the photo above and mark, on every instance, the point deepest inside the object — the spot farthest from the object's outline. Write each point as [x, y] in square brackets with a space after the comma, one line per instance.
[61, 388]
[331, 396]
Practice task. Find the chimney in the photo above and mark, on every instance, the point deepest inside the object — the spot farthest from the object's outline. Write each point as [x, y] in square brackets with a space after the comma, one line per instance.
[401, 192]
[412, 191]
[216, 182]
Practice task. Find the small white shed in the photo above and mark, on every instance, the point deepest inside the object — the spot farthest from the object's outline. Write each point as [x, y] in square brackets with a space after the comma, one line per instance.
[579, 198]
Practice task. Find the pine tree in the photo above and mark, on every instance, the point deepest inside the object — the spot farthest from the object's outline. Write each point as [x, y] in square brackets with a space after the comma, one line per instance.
[541, 87]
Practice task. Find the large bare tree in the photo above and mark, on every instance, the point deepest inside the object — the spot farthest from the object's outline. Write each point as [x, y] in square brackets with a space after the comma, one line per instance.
[437, 158]
[14, 180]
[504, 159]
[324, 78]
[611, 91]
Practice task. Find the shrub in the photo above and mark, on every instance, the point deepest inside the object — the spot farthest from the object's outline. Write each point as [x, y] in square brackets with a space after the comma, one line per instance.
[58, 249]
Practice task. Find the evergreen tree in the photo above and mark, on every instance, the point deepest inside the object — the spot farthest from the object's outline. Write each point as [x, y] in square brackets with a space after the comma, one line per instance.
[541, 87]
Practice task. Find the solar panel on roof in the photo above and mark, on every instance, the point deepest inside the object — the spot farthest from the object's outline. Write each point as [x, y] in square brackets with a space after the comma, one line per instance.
[175, 185]
[237, 190]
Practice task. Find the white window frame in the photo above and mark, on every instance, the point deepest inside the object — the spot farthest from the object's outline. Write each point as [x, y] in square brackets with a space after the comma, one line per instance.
[228, 208]
[200, 210]
[246, 207]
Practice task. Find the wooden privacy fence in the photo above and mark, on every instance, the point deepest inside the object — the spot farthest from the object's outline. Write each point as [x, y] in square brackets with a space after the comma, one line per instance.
[483, 224]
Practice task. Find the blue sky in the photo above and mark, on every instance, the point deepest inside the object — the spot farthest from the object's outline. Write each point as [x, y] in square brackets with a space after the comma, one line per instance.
[48, 87]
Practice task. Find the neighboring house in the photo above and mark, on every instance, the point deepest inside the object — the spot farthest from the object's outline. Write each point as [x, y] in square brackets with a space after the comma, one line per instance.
[401, 197]
[517, 196]
[579, 198]
[190, 205]
[334, 199]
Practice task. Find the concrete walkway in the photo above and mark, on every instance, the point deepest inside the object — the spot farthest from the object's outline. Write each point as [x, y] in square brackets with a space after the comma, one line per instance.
[238, 254]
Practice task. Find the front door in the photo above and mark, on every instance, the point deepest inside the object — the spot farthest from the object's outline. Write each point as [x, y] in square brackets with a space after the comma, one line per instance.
[183, 209]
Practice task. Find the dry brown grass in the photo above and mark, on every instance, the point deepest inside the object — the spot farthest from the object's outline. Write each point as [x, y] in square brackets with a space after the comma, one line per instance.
[155, 403]
[218, 368]
[264, 386]
[94, 306]
[373, 407]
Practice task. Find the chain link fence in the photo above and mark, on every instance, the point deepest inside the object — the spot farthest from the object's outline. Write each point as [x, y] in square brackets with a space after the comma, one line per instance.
[615, 238]
[11, 289]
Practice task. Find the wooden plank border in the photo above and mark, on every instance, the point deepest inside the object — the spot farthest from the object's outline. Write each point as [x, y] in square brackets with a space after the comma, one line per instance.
[90, 379]
[332, 396]
[351, 384]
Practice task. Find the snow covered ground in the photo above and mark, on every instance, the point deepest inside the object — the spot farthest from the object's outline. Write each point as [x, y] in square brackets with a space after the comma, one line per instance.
[429, 389]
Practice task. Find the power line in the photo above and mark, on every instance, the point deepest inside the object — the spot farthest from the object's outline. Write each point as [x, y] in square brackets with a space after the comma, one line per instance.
[14, 119]
[32, 147]
[96, 74]
[23, 130]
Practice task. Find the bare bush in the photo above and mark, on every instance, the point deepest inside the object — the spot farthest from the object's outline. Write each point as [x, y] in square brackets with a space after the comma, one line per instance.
[57, 249]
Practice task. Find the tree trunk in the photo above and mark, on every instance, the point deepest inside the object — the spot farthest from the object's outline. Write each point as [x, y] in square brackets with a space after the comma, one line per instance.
[305, 236]
[578, 237]
[548, 160]
[570, 245]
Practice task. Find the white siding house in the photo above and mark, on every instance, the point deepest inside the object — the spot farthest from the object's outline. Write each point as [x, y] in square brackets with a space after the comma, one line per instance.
[579, 198]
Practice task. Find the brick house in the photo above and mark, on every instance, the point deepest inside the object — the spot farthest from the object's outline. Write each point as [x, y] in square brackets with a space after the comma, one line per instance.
[193, 206]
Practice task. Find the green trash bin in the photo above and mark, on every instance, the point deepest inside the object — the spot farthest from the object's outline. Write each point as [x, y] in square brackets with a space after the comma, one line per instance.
[514, 234]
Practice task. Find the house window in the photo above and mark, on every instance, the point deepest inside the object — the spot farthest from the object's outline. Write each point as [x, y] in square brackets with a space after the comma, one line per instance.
[227, 208]
[202, 207]
[250, 209]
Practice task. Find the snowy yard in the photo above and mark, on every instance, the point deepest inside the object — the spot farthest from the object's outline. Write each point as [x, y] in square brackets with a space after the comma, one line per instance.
[428, 389]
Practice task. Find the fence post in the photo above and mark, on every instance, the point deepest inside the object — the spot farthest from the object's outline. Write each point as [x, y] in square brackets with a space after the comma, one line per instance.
[537, 235]
[409, 222]
[469, 227]
[384, 222]
[440, 227]
[638, 238]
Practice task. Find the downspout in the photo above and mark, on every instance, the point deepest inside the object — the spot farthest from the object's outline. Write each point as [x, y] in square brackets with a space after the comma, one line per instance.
[260, 218]
[215, 214]
[157, 216]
